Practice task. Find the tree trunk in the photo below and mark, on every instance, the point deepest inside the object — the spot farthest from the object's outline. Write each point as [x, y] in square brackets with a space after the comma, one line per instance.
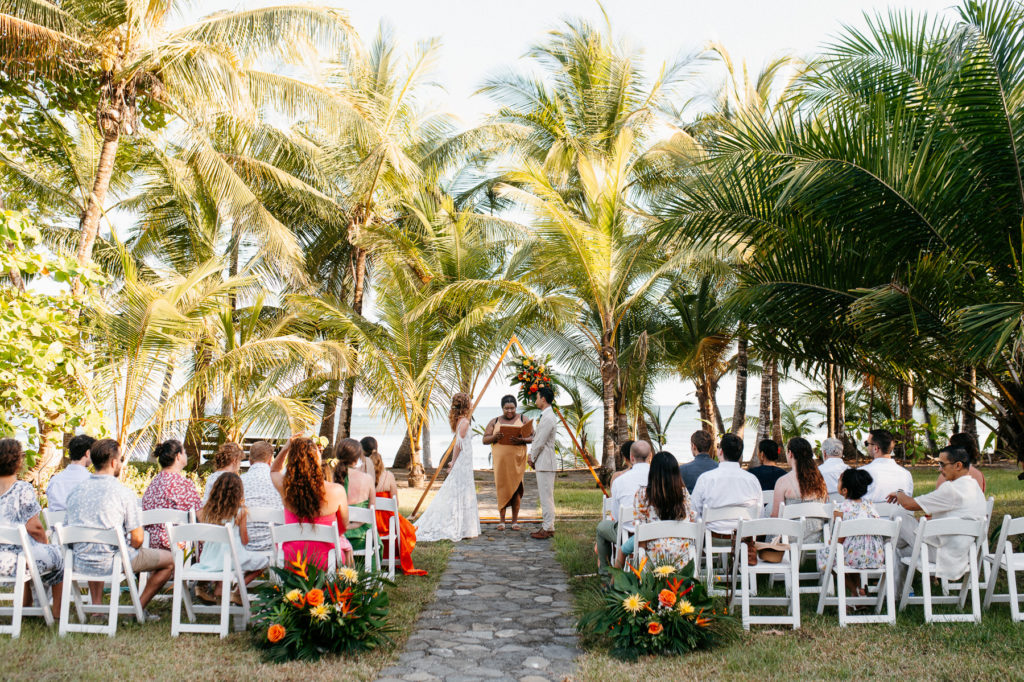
[968, 415]
[165, 393]
[196, 431]
[776, 403]
[330, 407]
[48, 457]
[764, 412]
[428, 462]
[706, 407]
[609, 382]
[840, 405]
[932, 445]
[89, 222]
[739, 410]
[830, 401]
[404, 454]
[906, 413]
[642, 432]
[416, 476]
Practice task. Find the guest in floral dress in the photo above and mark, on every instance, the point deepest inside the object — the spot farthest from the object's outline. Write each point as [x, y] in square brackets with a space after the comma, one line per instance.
[18, 505]
[859, 551]
[169, 489]
[664, 498]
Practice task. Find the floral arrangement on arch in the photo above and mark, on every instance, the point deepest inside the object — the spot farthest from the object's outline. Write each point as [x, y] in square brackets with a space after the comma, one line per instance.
[664, 611]
[311, 612]
[531, 374]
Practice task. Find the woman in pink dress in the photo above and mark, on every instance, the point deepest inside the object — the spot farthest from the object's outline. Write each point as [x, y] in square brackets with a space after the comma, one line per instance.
[308, 498]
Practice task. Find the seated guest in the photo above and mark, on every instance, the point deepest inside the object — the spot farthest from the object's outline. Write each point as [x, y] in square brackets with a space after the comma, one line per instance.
[18, 505]
[77, 470]
[886, 475]
[664, 498]
[700, 446]
[727, 486]
[765, 464]
[960, 496]
[227, 505]
[624, 456]
[386, 486]
[860, 551]
[103, 502]
[970, 444]
[308, 498]
[260, 492]
[169, 489]
[227, 459]
[803, 483]
[359, 487]
[832, 465]
[623, 493]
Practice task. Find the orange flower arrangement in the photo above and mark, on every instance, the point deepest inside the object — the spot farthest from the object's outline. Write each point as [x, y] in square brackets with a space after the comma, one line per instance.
[666, 598]
[531, 374]
[275, 633]
[654, 628]
[315, 597]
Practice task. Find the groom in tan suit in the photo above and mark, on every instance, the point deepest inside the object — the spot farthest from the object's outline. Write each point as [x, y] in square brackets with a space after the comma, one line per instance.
[542, 459]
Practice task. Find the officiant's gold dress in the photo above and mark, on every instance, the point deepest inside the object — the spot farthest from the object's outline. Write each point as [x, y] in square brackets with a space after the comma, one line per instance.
[509, 463]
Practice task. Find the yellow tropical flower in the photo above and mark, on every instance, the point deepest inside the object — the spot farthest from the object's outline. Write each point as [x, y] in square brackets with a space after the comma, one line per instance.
[633, 603]
[320, 612]
[665, 571]
[684, 607]
[294, 595]
[349, 575]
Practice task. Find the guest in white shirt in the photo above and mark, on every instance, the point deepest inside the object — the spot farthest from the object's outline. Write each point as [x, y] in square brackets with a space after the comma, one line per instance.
[728, 485]
[623, 491]
[960, 497]
[832, 465]
[886, 475]
[260, 492]
[77, 470]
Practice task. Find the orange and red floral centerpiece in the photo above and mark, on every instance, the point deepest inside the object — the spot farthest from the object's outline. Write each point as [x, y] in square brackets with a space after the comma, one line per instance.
[531, 374]
[661, 611]
[313, 612]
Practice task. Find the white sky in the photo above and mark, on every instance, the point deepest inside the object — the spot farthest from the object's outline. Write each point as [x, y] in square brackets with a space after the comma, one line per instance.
[481, 36]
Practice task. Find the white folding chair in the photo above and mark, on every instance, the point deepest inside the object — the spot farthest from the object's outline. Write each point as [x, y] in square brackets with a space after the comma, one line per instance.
[390, 506]
[1005, 559]
[229, 576]
[657, 530]
[888, 531]
[308, 532]
[271, 516]
[985, 566]
[161, 517]
[626, 515]
[607, 507]
[789, 531]
[889, 510]
[75, 580]
[804, 512]
[921, 560]
[369, 551]
[51, 519]
[25, 573]
[767, 500]
[721, 551]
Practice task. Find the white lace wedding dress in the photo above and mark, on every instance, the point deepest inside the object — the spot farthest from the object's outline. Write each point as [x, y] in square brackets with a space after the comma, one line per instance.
[452, 514]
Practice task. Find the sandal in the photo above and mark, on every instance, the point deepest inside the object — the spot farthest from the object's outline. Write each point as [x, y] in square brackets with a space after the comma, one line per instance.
[204, 595]
[501, 526]
[515, 526]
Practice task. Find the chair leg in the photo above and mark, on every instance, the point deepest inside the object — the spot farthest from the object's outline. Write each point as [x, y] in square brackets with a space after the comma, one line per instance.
[926, 585]
[745, 595]
[18, 597]
[841, 587]
[1011, 580]
[65, 602]
[225, 606]
[176, 602]
[975, 587]
[115, 601]
[794, 599]
[991, 575]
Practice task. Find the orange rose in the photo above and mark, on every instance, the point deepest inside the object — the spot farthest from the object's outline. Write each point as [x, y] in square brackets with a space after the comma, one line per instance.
[666, 598]
[275, 633]
[654, 628]
[316, 597]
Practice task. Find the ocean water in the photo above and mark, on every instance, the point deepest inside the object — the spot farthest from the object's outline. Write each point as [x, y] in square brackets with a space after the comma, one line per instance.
[389, 435]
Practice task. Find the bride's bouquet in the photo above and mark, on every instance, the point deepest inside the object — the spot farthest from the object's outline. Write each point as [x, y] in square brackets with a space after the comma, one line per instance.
[531, 374]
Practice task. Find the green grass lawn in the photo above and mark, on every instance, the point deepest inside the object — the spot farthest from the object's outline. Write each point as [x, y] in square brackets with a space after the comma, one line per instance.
[149, 651]
[820, 649]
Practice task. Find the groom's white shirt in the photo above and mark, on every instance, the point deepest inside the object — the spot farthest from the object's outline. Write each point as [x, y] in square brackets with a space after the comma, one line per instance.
[543, 451]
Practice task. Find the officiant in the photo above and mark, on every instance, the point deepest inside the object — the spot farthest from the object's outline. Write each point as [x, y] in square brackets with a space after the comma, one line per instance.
[508, 436]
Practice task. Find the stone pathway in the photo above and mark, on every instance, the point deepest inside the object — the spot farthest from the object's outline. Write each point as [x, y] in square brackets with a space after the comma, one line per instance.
[502, 611]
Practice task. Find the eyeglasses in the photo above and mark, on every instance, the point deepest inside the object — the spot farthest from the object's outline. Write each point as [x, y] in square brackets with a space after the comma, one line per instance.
[868, 443]
[943, 465]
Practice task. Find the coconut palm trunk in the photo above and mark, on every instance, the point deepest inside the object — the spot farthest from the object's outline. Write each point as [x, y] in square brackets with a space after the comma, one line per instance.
[764, 412]
[906, 396]
[739, 409]
[706, 407]
[609, 382]
[968, 416]
[776, 403]
[48, 456]
[830, 401]
[89, 223]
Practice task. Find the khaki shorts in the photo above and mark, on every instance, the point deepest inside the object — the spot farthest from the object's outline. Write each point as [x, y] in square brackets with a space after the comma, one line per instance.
[149, 559]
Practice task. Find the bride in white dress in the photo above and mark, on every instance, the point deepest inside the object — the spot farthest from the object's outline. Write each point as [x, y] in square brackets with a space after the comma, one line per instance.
[452, 514]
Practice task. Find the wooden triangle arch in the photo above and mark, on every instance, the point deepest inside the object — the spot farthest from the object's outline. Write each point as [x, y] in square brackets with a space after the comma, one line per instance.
[451, 446]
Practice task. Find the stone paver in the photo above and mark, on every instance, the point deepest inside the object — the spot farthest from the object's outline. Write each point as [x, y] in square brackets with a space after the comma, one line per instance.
[502, 611]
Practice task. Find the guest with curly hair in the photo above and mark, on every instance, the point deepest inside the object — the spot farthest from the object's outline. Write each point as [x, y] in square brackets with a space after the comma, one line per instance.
[227, 459]
[308, 498]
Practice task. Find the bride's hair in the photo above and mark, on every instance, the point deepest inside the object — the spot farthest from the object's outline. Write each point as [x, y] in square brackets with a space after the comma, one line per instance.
[461, 405]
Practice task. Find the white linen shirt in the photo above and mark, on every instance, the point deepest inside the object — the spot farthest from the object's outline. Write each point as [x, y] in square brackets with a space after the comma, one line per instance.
[260, 492]
[102, 502]
[728, 485]
[624, 490]
[543, 451]
[886, 478]
[831, 469]
[62, 483]
[962, 499]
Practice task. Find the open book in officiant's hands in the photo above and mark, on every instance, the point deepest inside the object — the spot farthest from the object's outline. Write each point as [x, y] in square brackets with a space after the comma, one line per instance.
[511, 435]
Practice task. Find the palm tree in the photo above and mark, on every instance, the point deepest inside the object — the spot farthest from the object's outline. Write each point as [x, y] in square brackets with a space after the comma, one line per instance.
[126, 54]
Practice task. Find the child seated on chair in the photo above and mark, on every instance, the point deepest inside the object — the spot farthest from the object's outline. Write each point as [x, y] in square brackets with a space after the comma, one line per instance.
[227, 504]
[859, 551]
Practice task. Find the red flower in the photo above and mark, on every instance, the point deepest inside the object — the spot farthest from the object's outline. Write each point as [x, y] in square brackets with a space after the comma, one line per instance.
[275, 633]
[667, 598]
[315, 597]
[654, 627]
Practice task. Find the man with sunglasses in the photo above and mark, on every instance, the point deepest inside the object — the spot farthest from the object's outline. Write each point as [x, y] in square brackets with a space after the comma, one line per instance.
[960, 496]
[886, 475]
